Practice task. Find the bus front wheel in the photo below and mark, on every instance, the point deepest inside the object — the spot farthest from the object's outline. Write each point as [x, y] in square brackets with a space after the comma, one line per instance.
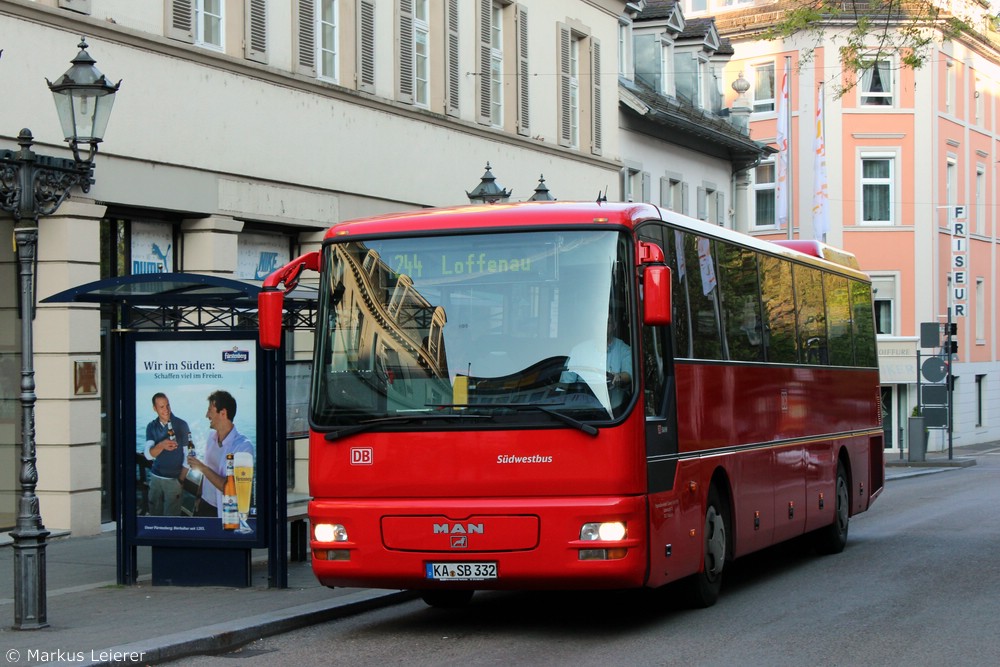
[703, 587]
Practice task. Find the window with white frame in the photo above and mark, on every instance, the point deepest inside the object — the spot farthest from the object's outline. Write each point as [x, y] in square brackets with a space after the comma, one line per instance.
[884, 298]
[421, 53]
[574, 92]
[209, 22]
[635, 184]
[876, 83]
[764, 194]
[580, 108]
[763, 87]
[877, 189]
[672, 191]
[624, 47]
[496, 66]
[328, 40]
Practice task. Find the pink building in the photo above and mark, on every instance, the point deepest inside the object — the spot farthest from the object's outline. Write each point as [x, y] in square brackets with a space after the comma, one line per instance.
[911, 180]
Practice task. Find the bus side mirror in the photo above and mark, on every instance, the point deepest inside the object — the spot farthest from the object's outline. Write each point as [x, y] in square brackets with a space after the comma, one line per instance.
[270, 303]
[656, 305]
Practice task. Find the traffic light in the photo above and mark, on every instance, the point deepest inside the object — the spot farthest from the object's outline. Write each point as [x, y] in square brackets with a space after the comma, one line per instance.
[951, 347]
[951, 329]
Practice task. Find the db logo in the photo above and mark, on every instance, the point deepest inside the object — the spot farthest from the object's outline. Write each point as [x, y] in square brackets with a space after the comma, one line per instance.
[361, 456]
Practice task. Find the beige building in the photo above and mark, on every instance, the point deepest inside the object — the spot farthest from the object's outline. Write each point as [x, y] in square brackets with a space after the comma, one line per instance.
[244, 128]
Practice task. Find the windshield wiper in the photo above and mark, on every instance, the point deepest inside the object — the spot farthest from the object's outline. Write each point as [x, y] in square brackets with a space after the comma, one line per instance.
[540, 407]
[368, 425]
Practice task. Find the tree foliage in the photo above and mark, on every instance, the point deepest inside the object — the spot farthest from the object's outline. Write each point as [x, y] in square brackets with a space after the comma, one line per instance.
[870, 30]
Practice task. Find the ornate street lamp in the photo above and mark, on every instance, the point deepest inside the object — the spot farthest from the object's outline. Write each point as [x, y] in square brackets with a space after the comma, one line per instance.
[33, 186]
[488, 192]
[541, 191]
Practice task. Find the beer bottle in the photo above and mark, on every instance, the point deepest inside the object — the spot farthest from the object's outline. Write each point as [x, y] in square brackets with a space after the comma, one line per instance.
[230, 515]
[190, 451]
[170, 431]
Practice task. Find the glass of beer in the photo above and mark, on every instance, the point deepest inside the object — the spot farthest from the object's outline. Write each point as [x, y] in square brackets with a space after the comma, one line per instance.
[243, 472]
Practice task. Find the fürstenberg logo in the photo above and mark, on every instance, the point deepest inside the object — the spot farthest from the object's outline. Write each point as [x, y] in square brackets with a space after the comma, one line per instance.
[235, 355]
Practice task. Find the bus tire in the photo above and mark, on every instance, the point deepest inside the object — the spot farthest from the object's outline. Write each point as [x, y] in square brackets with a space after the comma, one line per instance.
[833, 538]
[446, 599]
[703, 587]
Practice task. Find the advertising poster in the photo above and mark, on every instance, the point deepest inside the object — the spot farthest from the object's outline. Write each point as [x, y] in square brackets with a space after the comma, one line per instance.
[196, 403]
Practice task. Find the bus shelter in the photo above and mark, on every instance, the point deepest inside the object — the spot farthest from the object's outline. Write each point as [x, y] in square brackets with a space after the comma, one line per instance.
[190, 340]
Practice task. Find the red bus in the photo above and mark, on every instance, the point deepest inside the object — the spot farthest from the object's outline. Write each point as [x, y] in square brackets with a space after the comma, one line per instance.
[578, 396]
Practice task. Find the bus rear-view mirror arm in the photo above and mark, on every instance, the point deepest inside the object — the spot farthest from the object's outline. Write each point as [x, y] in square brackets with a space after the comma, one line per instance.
[271, 299]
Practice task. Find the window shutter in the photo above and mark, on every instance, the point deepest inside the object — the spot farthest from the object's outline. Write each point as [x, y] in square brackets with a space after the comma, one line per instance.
[485, 28]
[523, 73]
[702, 208]
[685, 199]
[255, 31]
[646, 186]
[565, 131]
[405, 51]
[453, 74]
[305, 37]
[596, 116]
[180, 20]
[720, 207]
[366, 46]
[665, 192]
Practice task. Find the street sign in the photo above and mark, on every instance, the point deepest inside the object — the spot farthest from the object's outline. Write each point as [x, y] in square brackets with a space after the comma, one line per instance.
[934, 394]
[934, 369]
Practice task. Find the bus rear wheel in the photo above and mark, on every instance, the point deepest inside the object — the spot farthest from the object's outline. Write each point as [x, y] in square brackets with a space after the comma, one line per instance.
[703, 587]
[446, 599]
[833, 538]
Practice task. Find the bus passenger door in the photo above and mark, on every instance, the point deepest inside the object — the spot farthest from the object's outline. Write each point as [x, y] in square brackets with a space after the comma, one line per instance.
[658, 403]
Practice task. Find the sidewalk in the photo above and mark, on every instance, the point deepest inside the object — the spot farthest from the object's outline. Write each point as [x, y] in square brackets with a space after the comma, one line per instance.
[93, 621]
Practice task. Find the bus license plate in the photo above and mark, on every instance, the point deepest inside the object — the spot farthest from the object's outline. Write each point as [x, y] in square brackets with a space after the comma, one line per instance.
[461, 571]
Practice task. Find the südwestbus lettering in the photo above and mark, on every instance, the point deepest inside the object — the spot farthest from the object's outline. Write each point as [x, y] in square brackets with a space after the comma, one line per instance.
[537, 458]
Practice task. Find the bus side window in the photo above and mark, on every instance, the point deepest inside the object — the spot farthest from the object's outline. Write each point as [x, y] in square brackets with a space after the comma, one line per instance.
[838, 318]
[740, 294]
[683, 345]
[864, 325]
[779, 309]
[701, 284]
[811, 315]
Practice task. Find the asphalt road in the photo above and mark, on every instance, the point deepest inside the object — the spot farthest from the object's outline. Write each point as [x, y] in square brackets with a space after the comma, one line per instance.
[919, 584]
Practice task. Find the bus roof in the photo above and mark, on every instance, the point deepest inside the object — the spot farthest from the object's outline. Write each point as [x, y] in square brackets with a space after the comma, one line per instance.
[481, 217]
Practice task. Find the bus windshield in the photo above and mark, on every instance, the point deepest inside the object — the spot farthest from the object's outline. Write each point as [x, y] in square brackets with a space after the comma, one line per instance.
[500, 329]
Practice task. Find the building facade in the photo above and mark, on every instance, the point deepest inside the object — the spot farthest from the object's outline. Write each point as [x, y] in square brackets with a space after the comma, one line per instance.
[245, 128]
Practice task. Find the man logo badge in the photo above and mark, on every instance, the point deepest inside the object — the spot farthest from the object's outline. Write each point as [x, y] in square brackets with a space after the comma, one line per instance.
[459, 542]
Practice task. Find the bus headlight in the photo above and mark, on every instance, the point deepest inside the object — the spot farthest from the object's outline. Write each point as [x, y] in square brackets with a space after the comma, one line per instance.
[330, 532]
[608, 531]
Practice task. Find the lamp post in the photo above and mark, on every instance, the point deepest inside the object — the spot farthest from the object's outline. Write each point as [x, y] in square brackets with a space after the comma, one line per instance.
[33, 186]
[541, 191]
[488, 192]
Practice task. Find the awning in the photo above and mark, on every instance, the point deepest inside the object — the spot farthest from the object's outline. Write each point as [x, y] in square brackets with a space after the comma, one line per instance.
[175, 289]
